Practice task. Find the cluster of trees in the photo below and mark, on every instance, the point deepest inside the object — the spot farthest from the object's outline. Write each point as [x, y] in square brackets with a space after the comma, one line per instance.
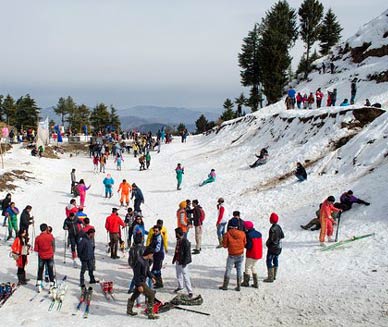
[265, 59]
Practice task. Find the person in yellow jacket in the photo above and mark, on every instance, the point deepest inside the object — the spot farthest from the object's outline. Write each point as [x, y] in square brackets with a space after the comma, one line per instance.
[163, 232]
[125, 189]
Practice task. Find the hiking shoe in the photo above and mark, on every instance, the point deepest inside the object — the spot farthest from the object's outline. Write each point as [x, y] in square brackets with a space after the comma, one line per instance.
[178, 289]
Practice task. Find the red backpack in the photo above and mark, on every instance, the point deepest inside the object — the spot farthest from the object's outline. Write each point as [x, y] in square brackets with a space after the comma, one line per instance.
[202, 215]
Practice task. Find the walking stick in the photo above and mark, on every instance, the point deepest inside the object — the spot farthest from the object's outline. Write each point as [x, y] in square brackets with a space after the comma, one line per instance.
[65, 247]
[338, 226]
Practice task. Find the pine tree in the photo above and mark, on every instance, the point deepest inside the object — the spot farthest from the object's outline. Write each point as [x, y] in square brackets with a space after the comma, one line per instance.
[100, 117]
[9, 109]
[181, 127]
[310, 16]
[278, 34]
[249, 61]
[60, 109]
[114, 119]
[228, 113]
[79, 117]
[302, 63]
[27, 113]
[1, 108]
[330, 32]
[240, 102]
[201, 124]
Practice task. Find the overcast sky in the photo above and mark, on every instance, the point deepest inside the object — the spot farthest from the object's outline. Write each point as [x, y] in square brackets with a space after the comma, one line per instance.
[125, 53]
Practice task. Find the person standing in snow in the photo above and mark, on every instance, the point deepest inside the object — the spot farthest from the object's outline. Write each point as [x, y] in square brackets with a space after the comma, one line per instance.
[319, 97]
[198, 218]
[103, 160]
[4, 206]
[12, 215]
[274, 248]
[254, 252]
[353, 90]
[25, 219]
[179, 171]
[129, 220]
[299, 100]
[142, 160]
[20, 251]
[347, 199]
[148, 159]
[112, 225]
[300, 172]
[235, 241]
[311, 100]
[125, 189]
[182, 258]
[85, 249]
[108, 183]
[81, 188]
[96, 161]
[221, 221]
[73, 225]
[236, 220]
[291, 94]
[73, 182]
[157, 244]
[326, 219]
[163, 232]
[332, 68]
[333, 98]
[182, 220]
[210, 178]
[139, 198]
[71, 208]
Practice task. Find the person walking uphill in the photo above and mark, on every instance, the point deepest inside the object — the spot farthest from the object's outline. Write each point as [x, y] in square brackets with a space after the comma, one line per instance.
[274, 248]
[85, 250]
[254, 252]
[141, 272]
[326, 219]
[198, 218]
[112, 225]
[20, 250]
[179, 171]
[139, 198]
[234, 240]
[125, 189]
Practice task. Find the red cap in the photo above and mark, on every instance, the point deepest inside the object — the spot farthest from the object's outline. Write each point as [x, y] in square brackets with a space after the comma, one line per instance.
[274, 218]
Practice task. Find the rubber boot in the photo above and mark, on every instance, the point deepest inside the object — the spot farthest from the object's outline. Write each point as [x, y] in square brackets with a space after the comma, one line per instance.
[255, 281]
[245, 283]
[275, 271]
[225, 284]
[150, 312]
[219, 246]
[130, 308]
[269, 279]
[20, 279]
[238, 287]
[159, 282]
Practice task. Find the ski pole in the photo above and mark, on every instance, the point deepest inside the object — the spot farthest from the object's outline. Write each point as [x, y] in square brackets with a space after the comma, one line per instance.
[190, 310]
[338, 226]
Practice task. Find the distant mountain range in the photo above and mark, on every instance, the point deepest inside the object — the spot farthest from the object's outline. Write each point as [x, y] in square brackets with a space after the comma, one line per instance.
[153, 117]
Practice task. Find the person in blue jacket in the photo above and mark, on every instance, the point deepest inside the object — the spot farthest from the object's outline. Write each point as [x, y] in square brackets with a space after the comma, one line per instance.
[108, 183]
[139, 198]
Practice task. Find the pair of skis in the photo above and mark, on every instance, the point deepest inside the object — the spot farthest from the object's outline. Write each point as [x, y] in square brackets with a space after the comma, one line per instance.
[340, 243]
[57, 295]
[107, 290]
[86, 298]
[6, 291]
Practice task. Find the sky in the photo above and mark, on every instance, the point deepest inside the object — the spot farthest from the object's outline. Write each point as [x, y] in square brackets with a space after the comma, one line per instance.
[126, 53]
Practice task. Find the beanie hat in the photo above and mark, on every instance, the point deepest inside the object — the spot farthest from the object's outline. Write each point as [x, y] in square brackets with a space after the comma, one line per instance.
[148, 250]
[233, 223]
[331, 198]
[274, 218]
[248, 225]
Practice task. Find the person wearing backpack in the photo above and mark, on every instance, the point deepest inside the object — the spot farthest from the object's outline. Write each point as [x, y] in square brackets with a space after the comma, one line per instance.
[198, 218]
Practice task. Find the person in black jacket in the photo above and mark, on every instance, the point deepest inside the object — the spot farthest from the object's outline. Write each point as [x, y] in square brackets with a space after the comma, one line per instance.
[4, 206]
[25, 219]
[236, 220]
[141, 272]
[274, 245]
[182, 258]
[73, 225]
[196, 221]
[300, 172]
[86, 255]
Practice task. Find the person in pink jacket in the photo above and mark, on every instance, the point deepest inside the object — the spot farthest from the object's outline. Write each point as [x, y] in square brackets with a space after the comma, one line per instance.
[81, 188]
[326, 219]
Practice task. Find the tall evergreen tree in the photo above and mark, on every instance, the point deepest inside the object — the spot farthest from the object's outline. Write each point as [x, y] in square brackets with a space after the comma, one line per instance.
[279, 32]
[60, 109]
[9, 109]
[310, 17]
[302, 63]
[228, 113]
[1, 108]
[100, 117]
[240, 102]
[249, 61]
[27, 112]
[114, 119]
[330, 32]
[180, 128]
[201, 124]
[79, 117]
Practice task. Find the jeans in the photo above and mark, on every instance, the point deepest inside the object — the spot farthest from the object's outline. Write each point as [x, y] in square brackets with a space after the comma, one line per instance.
[221, 230]
[158, 264]
[50, 266]
[183, 277]
[235, 261]
[86, 264]
[272, 260]
[137, 205]
[300, 178]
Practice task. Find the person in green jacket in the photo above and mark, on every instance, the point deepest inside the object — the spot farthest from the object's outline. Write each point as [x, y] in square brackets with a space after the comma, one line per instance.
[12, 213]
[148, 159]
[179, 170]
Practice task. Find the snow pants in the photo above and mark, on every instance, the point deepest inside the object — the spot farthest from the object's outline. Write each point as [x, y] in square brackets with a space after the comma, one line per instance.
[124, 198]
[326, 229]
[12, 225]
[86, 265]
[183, 277]
[108, 191]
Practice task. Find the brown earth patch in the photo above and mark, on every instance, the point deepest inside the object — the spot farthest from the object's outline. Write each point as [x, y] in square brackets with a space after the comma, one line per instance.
[7, 178]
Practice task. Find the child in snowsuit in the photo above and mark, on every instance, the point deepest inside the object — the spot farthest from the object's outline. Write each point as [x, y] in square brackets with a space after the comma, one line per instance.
[108, 183]
[12, 213]
[125, 189]
[210, 178]
[148, 159]
[142, 162]
[118, 162]
[274, 246]
[179, 170]
[326, 219]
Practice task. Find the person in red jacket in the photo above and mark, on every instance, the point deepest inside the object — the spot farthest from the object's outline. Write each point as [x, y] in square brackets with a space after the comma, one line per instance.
[112, 225]
[326, 219]
[221, 221]
[71, 208]
[319, 97]
[45, 246]
[20, 250]
[253, 253]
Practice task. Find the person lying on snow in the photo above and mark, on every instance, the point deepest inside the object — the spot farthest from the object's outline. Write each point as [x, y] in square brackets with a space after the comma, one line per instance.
[347, 199]
[261, 159]
[210, 178]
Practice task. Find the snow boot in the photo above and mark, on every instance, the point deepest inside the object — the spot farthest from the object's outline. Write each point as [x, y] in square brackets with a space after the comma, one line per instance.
[238, 287]
[225, 284]
[245, 283]
[219, 246]
[275, 271]
[21, 280]
[269, 279]
[255, 283]
[150, 312]
[130, 308]
[159, 282]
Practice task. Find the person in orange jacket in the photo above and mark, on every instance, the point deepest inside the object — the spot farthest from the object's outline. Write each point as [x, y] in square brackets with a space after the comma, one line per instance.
[182, 220]
[125, 189]
[20, 250]
[112, 225]
[326, 219]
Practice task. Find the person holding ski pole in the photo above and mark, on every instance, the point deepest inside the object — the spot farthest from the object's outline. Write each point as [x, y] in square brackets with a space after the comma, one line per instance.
[327, 220]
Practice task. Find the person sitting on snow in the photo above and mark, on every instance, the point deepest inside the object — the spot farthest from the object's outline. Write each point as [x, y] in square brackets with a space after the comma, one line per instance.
[347, 199]
[210, 178]
[261, 159]
[300, 172]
